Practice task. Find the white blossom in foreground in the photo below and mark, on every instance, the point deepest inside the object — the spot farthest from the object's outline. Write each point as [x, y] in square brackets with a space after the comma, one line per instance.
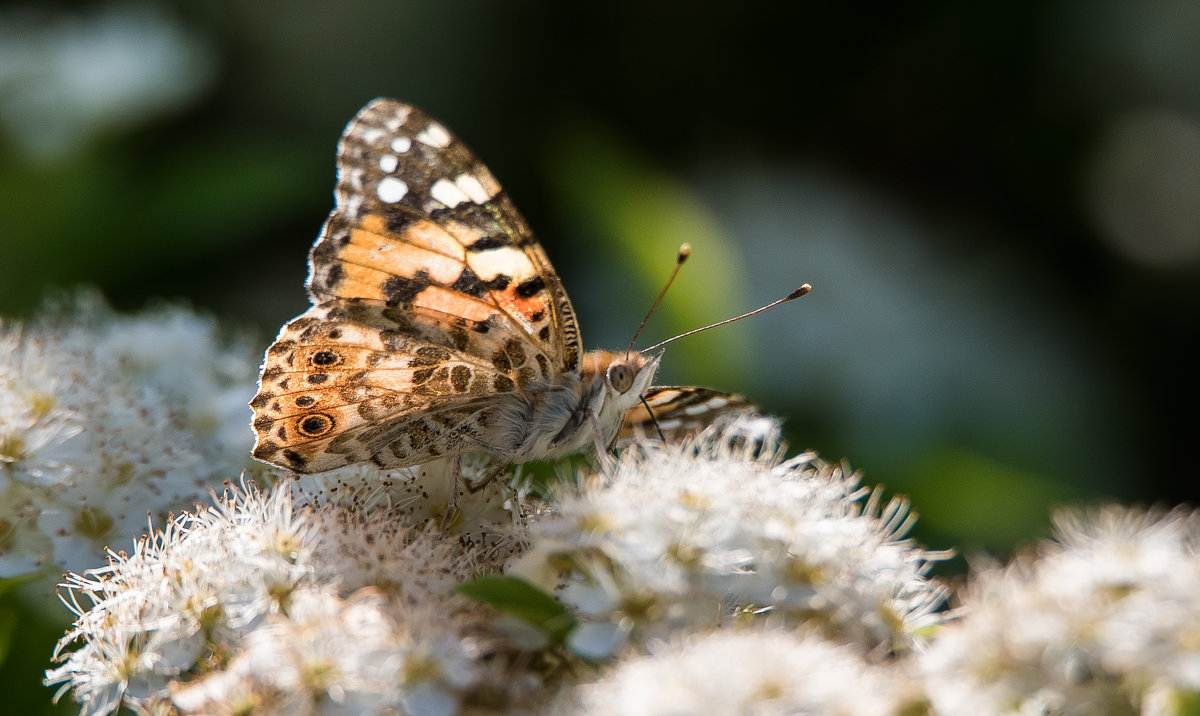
[683, 537]
[747, 672]
[1104, 620]
[182, 596]
[315, 605]
[335, 656]
[104, 419]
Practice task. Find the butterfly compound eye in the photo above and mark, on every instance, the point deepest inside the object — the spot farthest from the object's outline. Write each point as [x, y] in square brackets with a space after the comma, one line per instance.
[620, 377]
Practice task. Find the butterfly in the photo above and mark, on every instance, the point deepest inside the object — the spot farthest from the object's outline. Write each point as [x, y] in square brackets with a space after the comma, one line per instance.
[439, 327]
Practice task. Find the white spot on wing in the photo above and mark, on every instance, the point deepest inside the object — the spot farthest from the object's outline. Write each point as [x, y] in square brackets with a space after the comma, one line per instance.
[472, 188]
[448, 193]
[391, 190]
[388, 163]
[670, 424]
[506, 260]
[401, 145]
[399, 118]
[696, 409]
[435, 135]
[717, 403]
[370, 135]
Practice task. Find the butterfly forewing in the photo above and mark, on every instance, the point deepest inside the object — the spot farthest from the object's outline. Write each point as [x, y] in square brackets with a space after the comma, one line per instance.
[420, 222]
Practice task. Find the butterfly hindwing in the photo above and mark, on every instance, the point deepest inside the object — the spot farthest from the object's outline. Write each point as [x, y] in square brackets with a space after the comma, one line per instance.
[355, 381]
[421, 222]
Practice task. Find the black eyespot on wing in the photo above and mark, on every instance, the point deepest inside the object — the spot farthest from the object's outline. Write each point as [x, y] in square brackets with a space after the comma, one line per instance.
[315, 425]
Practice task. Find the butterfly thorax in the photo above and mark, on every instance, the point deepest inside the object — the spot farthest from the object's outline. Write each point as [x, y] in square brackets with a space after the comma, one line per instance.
[607, 385]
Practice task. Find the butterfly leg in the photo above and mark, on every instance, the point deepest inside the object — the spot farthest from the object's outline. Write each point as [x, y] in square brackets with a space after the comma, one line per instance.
[606, 461]
[455, 478]
[477, 485]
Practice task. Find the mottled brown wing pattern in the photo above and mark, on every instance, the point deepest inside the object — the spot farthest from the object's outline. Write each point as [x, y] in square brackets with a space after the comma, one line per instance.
[420, 222]
[356, 380]
[680, 411]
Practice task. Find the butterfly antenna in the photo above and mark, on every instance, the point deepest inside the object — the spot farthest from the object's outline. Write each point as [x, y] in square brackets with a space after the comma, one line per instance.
[657, 427]
[790, 297]
[685, 250]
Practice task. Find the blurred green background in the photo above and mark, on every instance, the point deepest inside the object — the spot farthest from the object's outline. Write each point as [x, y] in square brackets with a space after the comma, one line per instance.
[997, 205]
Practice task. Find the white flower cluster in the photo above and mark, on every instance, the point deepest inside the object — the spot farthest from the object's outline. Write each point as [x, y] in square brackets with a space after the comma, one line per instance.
[105, 418]
[339, 596]
[688, 537]
[243, 607]
[707, 575]
[1104, 620]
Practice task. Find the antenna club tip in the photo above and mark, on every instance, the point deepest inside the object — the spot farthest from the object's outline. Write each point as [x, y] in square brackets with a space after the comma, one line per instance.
[685, 250]
[798, 292]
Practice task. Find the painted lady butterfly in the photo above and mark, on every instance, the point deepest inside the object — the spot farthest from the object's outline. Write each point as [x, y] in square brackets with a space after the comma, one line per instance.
[439, 327]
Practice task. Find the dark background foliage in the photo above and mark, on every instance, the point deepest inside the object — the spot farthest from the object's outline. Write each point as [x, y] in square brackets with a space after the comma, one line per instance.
[997, 204]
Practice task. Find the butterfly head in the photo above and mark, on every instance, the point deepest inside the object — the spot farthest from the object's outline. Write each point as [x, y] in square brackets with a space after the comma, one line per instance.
[620, 378]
